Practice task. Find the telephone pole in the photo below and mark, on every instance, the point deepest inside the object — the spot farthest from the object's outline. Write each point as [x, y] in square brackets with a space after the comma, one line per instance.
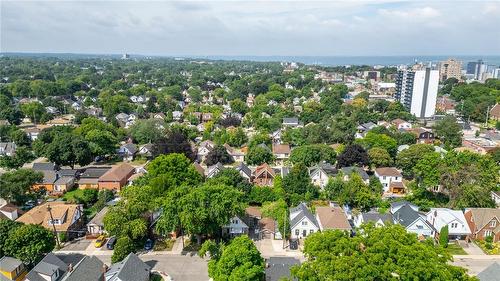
[53, 225]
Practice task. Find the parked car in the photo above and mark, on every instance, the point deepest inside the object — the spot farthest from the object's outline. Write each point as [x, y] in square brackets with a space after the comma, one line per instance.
[149, 244]
[100, 241]
[111, 243]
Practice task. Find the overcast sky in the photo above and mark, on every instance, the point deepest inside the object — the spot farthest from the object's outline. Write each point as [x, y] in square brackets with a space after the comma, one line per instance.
[199, 28]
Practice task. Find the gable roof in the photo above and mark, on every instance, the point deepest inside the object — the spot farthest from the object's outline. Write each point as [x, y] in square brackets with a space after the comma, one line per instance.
[491, 273]
[302, 212]
[327, 168]
[88, 269]
[375, 216]
[132, 268]
[47, 266]
[349, 170]
[290, 120]
[388, 171]
[94, 172]
[281, 148]
[44, 166]
[407, 216]
[482, 216]
[40, 215]
[9, 264]
[264, 168]
[332, 218]
[244, 168]
[117, 173]
[444, 216]
[132, 148]
[279, 267]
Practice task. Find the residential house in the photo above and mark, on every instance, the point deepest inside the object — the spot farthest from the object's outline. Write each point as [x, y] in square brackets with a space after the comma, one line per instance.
[457, 224]
[127, 151]
[4, 122]
[63, 184]
[89, 178]
[332, 217]
[264, 175]
[44, 166]
[235, 227]
[47, 183]
[122, 118]
[395, 206]
[7, 149]
[88, 269]
[401, 124]
[132, 268]
[244, 171]
[236, 154]
[495, 195]
[158, 115]
[276, 136]
[146, 150]
[177, 115]
[50, 268]
[12, 269]
[495, 112]
[320, 174]
[483, 222]
[203, 149]
[491, 273]
[95, 226]
[347, 172]
[362, 129]
[290, 122]
[9, 211]
[281, 152]
[302, 222]
[424, 135]
[32, 132]
[94, 111]
[214, 170]
[52, 110]
[278, 268]
[414, 221]
[479, 145]
[65, 218]
[116, 177]
[378, 219]
[391, 179]
[206, 117]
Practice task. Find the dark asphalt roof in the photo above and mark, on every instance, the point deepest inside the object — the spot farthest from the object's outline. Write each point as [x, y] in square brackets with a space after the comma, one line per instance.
[349, 170]
[88, 269]
[279, 267]
[244, 168]
[44, 166]
[491, 273]
[132, 268]
[303, 212]
[47, 266]
[406, 215]
[94, 172]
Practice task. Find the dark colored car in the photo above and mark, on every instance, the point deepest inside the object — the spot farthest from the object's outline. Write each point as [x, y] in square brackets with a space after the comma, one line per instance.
[111, 243]
[149, 245]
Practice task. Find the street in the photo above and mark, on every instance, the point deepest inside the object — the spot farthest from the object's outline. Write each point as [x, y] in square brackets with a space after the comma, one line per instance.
[475, 263]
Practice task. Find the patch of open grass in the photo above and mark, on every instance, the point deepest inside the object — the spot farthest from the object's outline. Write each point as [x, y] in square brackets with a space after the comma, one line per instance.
[163, 245]
[455, 249]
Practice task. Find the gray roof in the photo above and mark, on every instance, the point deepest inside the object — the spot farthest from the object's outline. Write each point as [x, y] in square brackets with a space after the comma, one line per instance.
[244, 168]
[279, 267]
[328, 168]
[88, 269]
[49, 176]
[376, 216]
[303, 212]
[68, 172]
[406, 216]
[44, 166]
[132, 148]
[132, 268]
[99, 217]
[9, 264]
[291, 120]
[491, 273]
[349, 170]
[64, 180]
[94, 172]
[47, 266]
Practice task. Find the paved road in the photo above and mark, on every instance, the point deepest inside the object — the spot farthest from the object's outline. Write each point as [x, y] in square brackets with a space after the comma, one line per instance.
[180, 267]
[475, 264]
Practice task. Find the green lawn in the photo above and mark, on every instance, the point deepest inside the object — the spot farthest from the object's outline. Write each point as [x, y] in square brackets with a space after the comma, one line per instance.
[455, 249]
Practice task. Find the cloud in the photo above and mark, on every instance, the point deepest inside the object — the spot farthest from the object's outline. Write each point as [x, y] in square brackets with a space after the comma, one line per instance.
[242, 27]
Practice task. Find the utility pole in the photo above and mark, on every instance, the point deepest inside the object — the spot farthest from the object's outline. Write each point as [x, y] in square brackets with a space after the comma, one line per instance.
[487, 117]
[53, 225]
[284, 230]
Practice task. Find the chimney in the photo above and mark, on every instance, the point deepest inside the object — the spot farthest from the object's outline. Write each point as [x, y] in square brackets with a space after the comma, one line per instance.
[104, 268]
[70, 267]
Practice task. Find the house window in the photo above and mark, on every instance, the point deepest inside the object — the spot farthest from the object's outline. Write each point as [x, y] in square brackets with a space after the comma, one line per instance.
[311, 231]
[396, 178]
[454, 225]
[493, 223]
[487, 233]
[383, 177]
[420, 226]
[304, 223]
[297, 232]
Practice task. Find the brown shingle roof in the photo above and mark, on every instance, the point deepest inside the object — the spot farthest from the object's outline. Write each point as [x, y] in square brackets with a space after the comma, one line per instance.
[253, 211]
[264, 167]
[117, 173]
[483, 216]
[281, 149]
[332, 218]
[40, 215]
[388, 171]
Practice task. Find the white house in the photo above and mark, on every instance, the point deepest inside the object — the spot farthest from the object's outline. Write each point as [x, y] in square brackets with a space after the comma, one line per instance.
[214, 170]
[203, 150]
[244, 171]
[401, 124]
[321, 173]
[413, 221]
[373, 216]
[281, 152]
[495, 195]
[177, 115]
[391, 179]
[458, 228]
[302, 222]
[235, 227]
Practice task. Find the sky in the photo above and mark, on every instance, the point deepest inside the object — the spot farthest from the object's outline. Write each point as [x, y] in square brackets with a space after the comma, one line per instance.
[252, 28]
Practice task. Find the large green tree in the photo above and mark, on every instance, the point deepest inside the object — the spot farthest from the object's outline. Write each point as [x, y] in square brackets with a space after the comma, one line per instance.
[239, 260]
[409, 157]
[6, 228]
[29, 243]
[68, 149]
[259, 154]
[313, 154]
[15, 185]
[449, 131]
[383, 253]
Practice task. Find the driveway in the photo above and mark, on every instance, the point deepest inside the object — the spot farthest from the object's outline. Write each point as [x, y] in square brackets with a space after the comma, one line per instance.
[77, 245]
[471, 248]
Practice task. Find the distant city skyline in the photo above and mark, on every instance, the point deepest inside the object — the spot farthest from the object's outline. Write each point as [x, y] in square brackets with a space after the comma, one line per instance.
[252, 28]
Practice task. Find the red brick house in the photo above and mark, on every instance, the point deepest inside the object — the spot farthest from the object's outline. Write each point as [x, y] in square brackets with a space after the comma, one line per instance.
[116, 177]
[483, 222]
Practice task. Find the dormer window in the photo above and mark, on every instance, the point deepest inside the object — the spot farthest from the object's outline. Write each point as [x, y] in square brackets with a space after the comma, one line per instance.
[55, 222]
[493, 223]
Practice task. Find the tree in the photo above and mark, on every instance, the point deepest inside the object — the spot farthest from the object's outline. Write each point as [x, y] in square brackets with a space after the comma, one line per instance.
[239, 106]
[101, 142]
[379, 157]
[375, 253]
[278, 210]
[29, 243]
[259, 154]
[124, 246]
[23, 155]
[443, 236]
[240, 260]
[313, 154]
[353, 192]
[232, 177]
[218, 154]
[6, 227]
[147, 131]
[449, 131]
[353, 155]
[68, 149]
[409, 157]
[175, 142]
[298, 185]
[35, 111]
[372, 140]
[15, 185]
[173, 169]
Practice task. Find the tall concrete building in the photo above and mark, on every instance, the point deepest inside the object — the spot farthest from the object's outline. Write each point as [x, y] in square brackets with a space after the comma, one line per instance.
[417, 91]
[450, 68]
[477, 69]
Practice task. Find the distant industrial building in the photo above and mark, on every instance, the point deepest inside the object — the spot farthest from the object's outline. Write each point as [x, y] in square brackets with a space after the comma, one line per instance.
[450, 68]
[417, 91]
